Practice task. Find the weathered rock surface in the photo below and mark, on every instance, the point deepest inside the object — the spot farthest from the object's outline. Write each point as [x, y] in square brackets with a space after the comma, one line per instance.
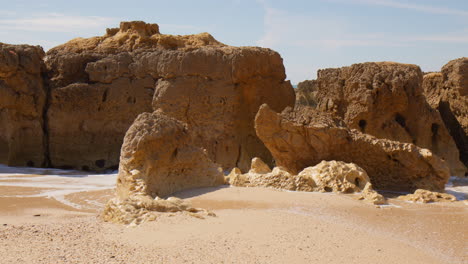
[135, 210]
[327, 176]
[303, 138]
[385, 99]
[306, 93]
[448, 92]
[99, 85]
[425, 196]
[22, 102]
[158, 159]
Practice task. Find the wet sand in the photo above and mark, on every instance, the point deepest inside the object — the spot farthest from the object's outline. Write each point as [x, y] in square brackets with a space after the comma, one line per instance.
[52, 216]
[252, 225]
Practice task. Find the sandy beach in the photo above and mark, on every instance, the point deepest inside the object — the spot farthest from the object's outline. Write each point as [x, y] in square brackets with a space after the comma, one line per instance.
[55, 224]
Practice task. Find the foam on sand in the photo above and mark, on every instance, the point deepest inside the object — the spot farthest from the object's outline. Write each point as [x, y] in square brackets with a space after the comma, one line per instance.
[57, 184]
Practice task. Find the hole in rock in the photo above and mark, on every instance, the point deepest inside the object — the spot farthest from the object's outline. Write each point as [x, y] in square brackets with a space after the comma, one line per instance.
[100, 163]
[30, 163]
[328, 189]
[357, 182]
[85, 168]
[435, 130]
[400, 120]
[362, 125]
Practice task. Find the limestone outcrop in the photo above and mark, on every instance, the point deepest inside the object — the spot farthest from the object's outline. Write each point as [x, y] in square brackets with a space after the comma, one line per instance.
[327, 176]
[447, 92]
[22, 101]
[425, 196]
[99, 85]
[386, 100]
[305, 137]
[158, 159]
[306, 93]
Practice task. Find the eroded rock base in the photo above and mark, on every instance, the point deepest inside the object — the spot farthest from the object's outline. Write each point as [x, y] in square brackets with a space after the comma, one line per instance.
[327, 176]
[425, 196]
[138, 209]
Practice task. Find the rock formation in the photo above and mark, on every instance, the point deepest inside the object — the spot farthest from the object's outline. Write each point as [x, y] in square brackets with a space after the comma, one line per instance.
[327, 176]
[158, 159]
[448, 92]
[385, 99]
[306, 93]
[304, 137]
[22, 102]
[99, 85]
[425, 196]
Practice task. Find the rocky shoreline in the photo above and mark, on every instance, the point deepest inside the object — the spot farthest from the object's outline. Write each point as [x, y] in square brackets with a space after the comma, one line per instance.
[174, 113]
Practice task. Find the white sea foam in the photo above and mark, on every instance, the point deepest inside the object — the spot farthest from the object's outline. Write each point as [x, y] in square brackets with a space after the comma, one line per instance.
[458, 187]
[55, 183]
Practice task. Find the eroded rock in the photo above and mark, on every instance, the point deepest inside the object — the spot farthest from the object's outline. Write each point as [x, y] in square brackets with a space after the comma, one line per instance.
[135, 210]
[425, 196]
[99, 85]
[306, 93]
[385, 100]
[304, 137]
[327, 176]
[22, 102]
[447, 92]
[158, 159]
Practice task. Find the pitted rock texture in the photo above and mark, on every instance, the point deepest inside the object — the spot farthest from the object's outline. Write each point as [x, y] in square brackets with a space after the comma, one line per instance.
[22, 101]
[447, 92]
[425, 196]
[327, 176]
[304, 137]
[158, 159]
[135, 210]
[306, 93]
[99, 85]
[385, 100]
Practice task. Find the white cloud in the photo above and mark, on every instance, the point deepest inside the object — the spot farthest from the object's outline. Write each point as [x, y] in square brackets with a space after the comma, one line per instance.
[54, 22]
[416, 7]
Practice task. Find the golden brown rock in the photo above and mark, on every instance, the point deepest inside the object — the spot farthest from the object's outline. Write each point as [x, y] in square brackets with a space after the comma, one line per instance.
[22, 102]
[137, 209]
[158, 159]
[99, 85]
[448, 92]
[337, 176]
[306, 93]
[303, 138]
[277, 179]
[385, 100]
[327, 176]
[425, 196]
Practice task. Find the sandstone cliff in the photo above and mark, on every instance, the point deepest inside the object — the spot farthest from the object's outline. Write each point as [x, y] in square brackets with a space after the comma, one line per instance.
[99, 85]
[22, 101]
[385, 99]
[448, 92]
[305, 137]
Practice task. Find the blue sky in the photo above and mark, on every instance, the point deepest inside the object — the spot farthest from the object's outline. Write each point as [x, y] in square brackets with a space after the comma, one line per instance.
[309, 35]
